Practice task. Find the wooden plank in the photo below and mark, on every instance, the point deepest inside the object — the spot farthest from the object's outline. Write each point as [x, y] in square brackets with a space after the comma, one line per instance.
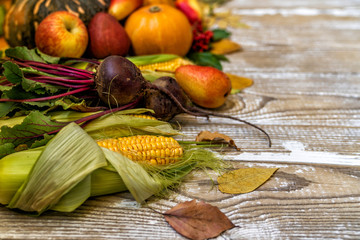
[298, 201]
[304, 57]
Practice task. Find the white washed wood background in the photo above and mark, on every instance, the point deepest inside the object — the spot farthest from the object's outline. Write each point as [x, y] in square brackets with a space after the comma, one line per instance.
[304, 57]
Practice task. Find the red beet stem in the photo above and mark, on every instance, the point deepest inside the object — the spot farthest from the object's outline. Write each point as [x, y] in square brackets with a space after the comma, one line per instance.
[78, 81]
[58, 71]
[53, 66]
[46, 98]
[61, 83]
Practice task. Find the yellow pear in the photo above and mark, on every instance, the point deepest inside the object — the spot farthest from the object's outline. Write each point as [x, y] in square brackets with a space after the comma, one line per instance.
[206, 86]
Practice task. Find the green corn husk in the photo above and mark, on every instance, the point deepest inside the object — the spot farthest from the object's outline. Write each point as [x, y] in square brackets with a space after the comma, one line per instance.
[55, 172]
[119, 124]
[70, 169]
[151, 75]
[14, 169]
[140, 184]
[105, 181]
[150, 59]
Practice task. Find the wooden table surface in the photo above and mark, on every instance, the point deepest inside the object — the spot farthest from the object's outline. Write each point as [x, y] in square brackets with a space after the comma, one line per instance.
[304, 57]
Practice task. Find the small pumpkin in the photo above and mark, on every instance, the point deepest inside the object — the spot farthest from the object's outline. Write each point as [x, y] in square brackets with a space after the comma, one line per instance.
[24, 16]
[157, 29]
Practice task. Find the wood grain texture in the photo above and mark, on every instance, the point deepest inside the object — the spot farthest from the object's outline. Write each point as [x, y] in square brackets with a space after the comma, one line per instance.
[304, 57]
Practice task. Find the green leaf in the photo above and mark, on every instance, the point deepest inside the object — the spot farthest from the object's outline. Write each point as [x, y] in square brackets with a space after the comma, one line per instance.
[12, 72]
[67, 102]
[66, 161]
[221, 57]
[4, 88]
[220, 34]
[17, 92]
[34, 54]
[206, 59]
[23, 53]
[7, 107]
[47, 58]
[37, 87]
[6, 149]
[32, 128]
[42, 142]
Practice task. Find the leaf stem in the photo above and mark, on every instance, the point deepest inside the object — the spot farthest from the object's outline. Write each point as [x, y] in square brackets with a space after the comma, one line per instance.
[46, 98]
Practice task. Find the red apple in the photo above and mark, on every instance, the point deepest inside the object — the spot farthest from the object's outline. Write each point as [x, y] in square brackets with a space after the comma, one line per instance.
[62, 34]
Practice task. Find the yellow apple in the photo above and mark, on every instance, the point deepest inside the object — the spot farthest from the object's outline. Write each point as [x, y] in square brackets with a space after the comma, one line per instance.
[62, 34]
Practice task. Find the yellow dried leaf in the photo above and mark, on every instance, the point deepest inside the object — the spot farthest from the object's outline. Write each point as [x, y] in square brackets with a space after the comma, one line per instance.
[238, 83]
[224, 20]
[244, 180]
[215, 137]
[225, 46]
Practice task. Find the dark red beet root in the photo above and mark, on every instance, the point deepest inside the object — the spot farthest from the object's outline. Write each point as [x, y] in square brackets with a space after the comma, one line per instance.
[119, 81]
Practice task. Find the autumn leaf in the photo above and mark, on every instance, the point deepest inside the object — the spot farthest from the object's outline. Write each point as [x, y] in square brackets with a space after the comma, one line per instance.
[215, 137]
[239, 83]
[197, 220]
[224, 20]
[225, 46]
[244, 180]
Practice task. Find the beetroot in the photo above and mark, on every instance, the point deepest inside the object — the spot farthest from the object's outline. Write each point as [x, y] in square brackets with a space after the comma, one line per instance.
[119, 81]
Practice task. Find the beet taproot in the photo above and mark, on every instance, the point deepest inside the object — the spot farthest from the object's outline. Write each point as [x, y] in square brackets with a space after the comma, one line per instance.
[118, 81]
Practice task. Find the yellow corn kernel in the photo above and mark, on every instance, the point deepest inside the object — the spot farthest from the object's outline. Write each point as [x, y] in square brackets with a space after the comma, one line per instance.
[169, 66]
[157, 150]
[142, 116]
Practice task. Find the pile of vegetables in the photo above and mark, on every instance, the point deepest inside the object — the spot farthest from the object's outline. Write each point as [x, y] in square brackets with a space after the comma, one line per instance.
[54, 111]
[120, 85]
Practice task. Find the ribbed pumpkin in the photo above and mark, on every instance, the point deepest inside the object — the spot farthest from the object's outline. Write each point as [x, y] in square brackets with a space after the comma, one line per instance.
[25, 15]
[159, 29]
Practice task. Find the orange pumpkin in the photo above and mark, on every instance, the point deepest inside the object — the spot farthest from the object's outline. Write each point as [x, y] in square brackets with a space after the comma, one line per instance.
[159, 29]
[150, 2]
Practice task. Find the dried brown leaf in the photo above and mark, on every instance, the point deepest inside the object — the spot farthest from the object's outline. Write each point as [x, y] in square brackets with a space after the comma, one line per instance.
[197, 220]
[244, 180]
[225, 46]
[215, 137]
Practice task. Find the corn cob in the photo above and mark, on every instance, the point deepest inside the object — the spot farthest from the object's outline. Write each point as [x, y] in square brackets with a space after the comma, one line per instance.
[169, 66]
[146, 148]
[142, 116]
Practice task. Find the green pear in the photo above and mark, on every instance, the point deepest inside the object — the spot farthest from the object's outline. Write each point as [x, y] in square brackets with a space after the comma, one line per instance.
[207, 87]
